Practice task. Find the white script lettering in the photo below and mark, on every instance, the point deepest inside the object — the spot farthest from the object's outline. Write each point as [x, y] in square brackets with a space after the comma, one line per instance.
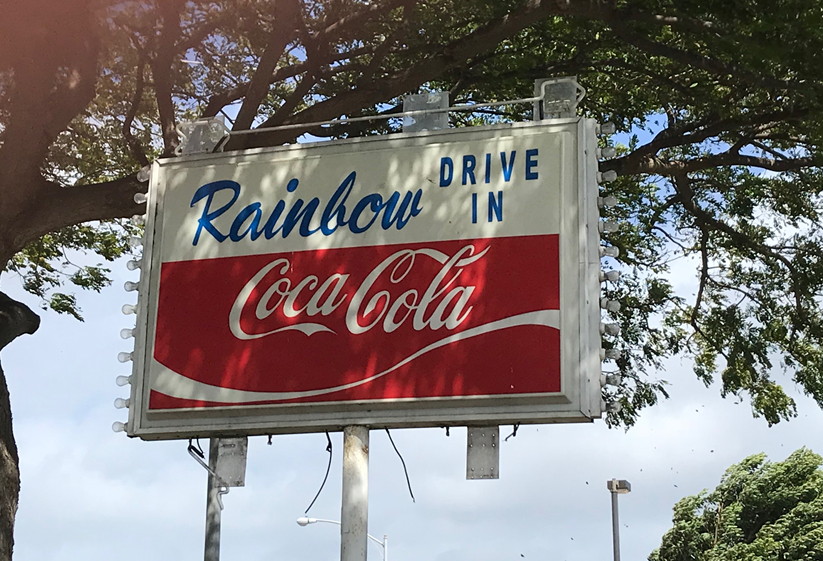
[442, 302]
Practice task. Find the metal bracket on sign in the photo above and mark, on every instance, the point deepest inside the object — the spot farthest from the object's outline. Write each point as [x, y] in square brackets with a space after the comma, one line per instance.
[483, 453]
[560, 97]
[202, 136]
[434, 108]
[231, 460]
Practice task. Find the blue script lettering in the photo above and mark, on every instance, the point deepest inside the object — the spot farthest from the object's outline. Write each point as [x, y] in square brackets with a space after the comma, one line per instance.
[207, 191]
[306, 217]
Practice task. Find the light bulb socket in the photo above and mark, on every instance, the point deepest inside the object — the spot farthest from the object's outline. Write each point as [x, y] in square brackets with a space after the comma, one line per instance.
[121, 403]
[609, 305]
[122, 380]
[140, 198]
[610, 379]
[606, 128]
[609, 329]
[118, 426]
[144, 174]
[128, 309]
[611, 276]
[607, 202]
[606, 176]
[130, 286]
[607, 227]
[614, 407]
[133, 265]
[126, 333]
[611, 354]
[124, 357]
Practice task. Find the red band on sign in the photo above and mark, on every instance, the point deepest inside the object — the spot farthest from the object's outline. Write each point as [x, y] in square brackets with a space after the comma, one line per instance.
[434, 319]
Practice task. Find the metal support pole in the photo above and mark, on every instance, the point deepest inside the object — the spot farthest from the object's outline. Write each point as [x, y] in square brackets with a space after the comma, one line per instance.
[615, 528]
[385, 547]
[212, 549]
[617, 487]
[354, 513]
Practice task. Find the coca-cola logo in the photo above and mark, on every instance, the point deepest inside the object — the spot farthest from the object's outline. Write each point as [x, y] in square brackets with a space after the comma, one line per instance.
[390, 296]
[461, 317]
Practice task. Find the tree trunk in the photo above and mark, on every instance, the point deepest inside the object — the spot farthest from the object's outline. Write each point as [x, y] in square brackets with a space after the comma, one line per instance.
[15, 320]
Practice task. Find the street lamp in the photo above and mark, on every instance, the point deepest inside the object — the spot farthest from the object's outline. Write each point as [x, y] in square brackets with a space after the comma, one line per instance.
[305, 521]
[617, 487]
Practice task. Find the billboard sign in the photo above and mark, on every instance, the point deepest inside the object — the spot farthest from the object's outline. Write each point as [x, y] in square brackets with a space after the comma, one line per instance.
[427, 279]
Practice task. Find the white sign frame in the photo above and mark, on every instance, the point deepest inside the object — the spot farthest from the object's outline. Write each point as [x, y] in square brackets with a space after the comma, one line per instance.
[580, 397]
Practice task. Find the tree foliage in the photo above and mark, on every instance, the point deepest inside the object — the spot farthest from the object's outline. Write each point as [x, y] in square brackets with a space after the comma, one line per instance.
[760, 511]
[719, 163]
[718, 104]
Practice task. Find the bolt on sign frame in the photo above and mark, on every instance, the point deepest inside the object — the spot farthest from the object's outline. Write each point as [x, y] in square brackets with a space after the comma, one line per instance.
[422, 279]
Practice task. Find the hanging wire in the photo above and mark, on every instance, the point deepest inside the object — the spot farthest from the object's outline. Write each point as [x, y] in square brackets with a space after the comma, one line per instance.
[197, 450]
[514, 432]
[325, 477]
[402, 461]
[197, 453]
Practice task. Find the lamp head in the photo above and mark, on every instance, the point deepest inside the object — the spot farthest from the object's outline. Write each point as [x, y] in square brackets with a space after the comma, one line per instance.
[619, 486]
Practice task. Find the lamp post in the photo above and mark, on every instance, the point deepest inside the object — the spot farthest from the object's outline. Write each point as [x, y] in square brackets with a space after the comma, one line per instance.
[617, 487]
[305, 521]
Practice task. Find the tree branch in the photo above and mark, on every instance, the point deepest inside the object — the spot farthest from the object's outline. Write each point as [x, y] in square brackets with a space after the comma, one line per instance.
[357, 19]
[282, 33]
[59, 207]
[161, 70]
[429, 68]
[705, 220]
[327, 36]
[704, 276]
[55, 70]
[384, 48]
[716, 67]
[220, 99]
[137, 151]
[658, 166]
[293, 100]
[643, 158]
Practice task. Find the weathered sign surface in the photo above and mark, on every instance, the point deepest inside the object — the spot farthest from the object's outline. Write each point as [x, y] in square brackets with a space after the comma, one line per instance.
[425, 279]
